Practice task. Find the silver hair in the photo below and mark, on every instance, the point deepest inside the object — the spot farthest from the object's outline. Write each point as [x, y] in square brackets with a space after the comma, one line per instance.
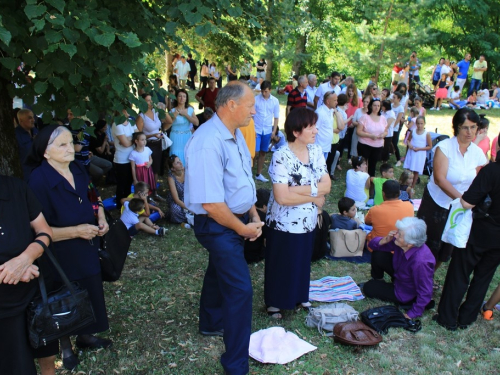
[56, 133]
[301, 79]
[414, 229]
[234, 91]
[311, 77]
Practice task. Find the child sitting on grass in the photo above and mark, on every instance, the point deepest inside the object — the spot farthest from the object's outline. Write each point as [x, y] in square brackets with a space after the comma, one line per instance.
[141, 191]
[387, 172]
[346, 218]
[136, 223]
[405, 186]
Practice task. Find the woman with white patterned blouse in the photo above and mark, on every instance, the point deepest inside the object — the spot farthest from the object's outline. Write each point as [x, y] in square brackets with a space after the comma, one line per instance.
[300, 183]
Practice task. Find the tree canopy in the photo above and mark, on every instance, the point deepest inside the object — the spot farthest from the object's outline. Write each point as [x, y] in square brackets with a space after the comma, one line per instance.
[93, 56]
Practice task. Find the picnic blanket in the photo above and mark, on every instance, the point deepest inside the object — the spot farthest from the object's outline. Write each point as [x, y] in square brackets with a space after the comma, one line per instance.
[333, 289]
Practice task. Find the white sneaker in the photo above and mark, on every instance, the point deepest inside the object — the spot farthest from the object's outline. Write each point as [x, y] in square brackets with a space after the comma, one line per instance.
[398, 164]
[432, 109]
[438, 109]
[261, 178]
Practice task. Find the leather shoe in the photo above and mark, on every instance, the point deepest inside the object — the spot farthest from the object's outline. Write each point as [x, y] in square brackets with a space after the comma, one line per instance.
[219, 333]
[449, 328]
[70, 362]
[97, 343]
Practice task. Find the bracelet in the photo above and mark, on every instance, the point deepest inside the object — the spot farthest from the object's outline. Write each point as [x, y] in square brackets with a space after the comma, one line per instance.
[43, 234]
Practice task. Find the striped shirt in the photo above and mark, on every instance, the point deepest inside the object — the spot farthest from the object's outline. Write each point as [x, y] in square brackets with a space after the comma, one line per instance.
[296, 99]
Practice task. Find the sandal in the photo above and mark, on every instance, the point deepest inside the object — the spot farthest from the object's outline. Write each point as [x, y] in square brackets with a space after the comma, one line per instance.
[486, 313]
[275, 314]
[303, 306]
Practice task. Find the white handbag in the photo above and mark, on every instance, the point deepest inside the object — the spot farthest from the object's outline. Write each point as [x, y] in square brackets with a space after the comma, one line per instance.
[165, 142]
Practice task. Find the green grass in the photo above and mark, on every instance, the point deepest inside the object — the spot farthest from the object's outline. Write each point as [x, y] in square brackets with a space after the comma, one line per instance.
[153, 314]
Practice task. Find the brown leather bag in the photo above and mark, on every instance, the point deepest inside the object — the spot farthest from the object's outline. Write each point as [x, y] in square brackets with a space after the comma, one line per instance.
[356, 333]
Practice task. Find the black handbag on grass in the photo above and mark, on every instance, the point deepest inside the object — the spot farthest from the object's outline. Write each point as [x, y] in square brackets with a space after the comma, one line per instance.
[59, 313]
[383, 317]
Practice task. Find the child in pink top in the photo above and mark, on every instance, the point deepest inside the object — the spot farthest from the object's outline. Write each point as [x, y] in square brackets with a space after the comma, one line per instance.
[482, 139]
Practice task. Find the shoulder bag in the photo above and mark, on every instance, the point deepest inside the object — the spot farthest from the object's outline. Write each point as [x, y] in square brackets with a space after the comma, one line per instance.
[383, 317]
[356, 333]
[325, 317]
[113, 251]
[59, 313]
[347, 243]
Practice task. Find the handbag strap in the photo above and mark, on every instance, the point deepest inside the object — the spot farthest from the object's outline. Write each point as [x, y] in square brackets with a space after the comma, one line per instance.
[347, 247]
[57, 266]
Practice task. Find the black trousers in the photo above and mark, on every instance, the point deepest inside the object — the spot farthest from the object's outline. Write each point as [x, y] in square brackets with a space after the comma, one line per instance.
[483, 262]
[388, 148]
[123, 181]
[395, 141]
[372, 155]
[381, 263]
[190, 81]
[331, 157]
[204, 81]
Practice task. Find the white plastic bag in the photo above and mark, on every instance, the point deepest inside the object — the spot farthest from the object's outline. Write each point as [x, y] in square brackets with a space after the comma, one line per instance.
[457, 229]
[165, 142]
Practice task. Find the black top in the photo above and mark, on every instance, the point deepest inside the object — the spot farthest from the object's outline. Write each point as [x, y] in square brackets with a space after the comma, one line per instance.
[18, 207]
[260, 65]
[485, 232]
[96, 142]
[192, 65]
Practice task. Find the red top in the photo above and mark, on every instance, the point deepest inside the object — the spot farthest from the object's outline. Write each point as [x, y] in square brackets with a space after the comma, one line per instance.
[208, 97]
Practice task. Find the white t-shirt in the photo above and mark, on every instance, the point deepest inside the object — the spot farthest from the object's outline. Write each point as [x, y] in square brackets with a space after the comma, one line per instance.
[481, 99]
[121, 152]
[455, 94]
[182, 69]
[445, 69]
[388, 115]
[128, 217]
[140, 158]
[151, 126]
[461, 169]
[266, 110]
[397, 110]
[324, 125]
[355, 185]
[287, 169]
[323, 89]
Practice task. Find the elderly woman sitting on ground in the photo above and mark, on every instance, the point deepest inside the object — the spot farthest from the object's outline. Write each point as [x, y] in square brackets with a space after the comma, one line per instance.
[405, 257]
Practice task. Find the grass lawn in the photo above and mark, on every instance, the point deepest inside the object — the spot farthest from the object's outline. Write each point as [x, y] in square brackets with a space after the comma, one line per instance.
[153, 313]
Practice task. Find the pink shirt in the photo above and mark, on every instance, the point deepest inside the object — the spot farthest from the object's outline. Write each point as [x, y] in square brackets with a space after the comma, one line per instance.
[351, 109]
[369, 126]
[494, 146]
[485, 145]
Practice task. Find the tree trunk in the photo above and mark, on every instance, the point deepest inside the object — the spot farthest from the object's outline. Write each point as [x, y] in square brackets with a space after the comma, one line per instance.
[10, 164]
[381, 53]
[300, 47]
[269, 69]
[169, 58]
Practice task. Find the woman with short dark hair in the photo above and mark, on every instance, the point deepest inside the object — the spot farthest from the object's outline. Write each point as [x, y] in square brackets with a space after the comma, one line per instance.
[300, 183]
[481, 256]
[456, 163]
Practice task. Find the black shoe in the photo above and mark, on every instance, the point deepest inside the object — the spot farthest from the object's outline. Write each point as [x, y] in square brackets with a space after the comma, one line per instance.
[449, 328]
[70, 362]
[219, 333]
[96, 343]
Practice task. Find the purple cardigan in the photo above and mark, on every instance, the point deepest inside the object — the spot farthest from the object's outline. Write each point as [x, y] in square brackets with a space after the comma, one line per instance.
[413, 274]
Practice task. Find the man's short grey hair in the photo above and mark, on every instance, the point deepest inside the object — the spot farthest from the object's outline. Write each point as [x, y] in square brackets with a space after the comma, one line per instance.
[232, 91]
[56, 133]
[310, 77]
[302, 79]
[414, 229]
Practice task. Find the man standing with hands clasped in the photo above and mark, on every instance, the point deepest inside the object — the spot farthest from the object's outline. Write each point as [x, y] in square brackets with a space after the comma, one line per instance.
[220, 190]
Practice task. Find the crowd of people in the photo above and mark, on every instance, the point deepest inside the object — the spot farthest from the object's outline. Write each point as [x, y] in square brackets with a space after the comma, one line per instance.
[209, 163]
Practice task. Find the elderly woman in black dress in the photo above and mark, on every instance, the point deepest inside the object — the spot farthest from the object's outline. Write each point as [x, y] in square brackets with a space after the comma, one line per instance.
[22, 228]
[74, 211]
